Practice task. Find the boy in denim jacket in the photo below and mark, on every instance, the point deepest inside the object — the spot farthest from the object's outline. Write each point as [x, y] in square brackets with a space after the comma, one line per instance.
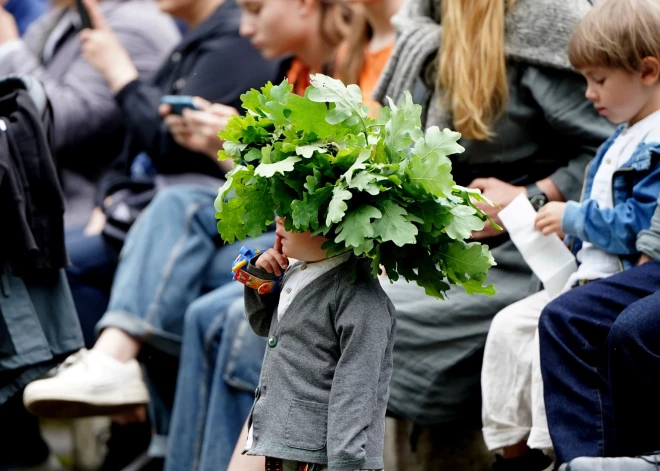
[617, 49]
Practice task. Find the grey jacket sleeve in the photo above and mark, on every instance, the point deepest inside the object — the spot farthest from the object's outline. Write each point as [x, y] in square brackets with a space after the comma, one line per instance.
[364, 320]
[82, 102]
[560, 95]
[260, 308]
[648, 242]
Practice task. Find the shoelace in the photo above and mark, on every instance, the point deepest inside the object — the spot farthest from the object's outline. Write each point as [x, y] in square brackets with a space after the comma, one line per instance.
[79, 356]
[656, 460]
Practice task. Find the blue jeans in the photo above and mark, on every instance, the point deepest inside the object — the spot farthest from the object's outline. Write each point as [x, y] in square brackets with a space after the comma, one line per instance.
[93, 264]
[172, 255]
[600, 353]
[219, 370]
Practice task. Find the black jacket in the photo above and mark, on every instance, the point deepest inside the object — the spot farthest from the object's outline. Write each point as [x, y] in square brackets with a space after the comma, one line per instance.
[31, 201]
[213, 62]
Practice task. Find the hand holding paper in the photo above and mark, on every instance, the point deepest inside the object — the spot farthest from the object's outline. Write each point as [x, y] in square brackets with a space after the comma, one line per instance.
[548, 219]
[546, 255]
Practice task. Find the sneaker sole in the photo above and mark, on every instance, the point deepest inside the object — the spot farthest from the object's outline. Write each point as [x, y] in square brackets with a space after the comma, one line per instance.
[72, 408]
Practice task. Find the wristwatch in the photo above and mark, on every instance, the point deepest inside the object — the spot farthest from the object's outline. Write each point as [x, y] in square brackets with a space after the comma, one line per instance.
[536, 196]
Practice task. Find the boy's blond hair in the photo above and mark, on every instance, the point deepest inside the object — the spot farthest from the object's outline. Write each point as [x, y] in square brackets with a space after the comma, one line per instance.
[617, 34]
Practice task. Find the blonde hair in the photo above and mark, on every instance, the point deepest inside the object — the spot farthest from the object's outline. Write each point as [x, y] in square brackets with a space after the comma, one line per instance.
[472, 69]
[617, 34]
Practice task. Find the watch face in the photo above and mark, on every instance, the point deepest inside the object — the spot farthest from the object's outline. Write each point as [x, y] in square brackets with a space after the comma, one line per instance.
[538, 201]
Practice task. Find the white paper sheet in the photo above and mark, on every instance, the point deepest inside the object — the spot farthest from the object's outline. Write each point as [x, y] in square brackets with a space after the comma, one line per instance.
[547, 256]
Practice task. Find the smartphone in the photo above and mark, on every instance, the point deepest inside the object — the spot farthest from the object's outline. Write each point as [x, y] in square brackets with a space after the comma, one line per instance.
[84, 15]
[179, 103]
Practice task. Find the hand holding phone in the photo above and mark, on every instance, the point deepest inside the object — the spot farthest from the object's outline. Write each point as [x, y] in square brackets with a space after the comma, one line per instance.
[85, 20]
[178, 103]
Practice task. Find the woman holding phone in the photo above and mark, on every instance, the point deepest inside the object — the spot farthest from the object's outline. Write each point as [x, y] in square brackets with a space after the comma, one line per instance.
[151, 321]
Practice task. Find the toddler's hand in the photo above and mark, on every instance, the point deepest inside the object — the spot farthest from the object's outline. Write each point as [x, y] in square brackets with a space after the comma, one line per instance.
[548, 219]
[273, 261]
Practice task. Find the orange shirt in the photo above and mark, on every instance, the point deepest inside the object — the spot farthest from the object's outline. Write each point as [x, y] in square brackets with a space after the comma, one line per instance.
[374, 63]
[298, 76]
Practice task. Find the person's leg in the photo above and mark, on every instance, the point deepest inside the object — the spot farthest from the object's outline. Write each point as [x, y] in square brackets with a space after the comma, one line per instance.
[539, 436]
[204, 329]
[235, 378]
[572, 333]
[163, 396]
[633, 348]
[162, 268]
[506, 384]
[506, 375]
[241, 462]
[93, 264]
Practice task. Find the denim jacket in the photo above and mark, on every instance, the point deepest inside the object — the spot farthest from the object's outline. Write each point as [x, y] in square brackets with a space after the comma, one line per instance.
[635, 190]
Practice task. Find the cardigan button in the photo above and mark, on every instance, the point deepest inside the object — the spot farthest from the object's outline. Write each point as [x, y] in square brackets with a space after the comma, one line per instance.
[272, 342]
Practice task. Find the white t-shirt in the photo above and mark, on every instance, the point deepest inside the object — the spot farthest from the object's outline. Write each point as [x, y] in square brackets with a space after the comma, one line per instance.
[300, 276]
[594, 262]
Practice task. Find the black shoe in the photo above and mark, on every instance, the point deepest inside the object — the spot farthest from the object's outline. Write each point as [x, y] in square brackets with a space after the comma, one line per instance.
[535, 460]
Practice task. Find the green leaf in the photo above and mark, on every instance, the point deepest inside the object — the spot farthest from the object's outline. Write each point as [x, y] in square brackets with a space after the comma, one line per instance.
[476, 287]
[313, 181]
[282, 196]
[348, 100]
[438, 142]
[431, 278]
[404, 127]
[252, 155]
[268, 170]
[359, 164]
[235, 180]
[432, 174]
[230, 224]
[394, 226]
[308, 150]
[233, 149]
[366, 181]
[338, 207]
[463, 223]
[464, 261]
[309, 117]
[356, 228]
[257, 210]
[472, 193]
[306, 212]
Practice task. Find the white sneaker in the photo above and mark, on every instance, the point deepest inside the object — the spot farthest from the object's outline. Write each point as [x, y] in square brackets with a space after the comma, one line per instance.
[88, 383]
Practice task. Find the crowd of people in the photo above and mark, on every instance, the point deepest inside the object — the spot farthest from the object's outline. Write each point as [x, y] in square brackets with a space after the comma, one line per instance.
[555, 99]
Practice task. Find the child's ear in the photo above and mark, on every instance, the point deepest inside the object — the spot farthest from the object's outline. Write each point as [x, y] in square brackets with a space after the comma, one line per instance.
[650, 70]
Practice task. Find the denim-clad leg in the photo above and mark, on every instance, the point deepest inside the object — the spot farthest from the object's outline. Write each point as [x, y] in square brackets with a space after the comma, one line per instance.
[573, 334]
[163, 266]
[93, 264]
[634, 359]
[220, 365]
[171, 256]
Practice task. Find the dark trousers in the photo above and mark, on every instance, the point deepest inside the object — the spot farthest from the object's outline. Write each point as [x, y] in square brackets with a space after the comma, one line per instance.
[600, 360]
